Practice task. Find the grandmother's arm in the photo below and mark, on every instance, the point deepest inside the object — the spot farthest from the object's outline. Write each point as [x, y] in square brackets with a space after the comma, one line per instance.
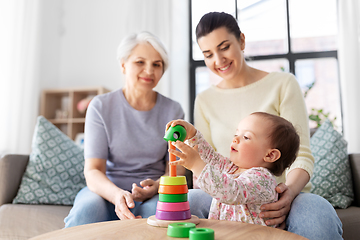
[99, 183]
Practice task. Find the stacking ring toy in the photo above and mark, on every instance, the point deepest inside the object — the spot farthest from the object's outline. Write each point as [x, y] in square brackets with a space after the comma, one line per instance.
[173, 189]
[167, 180]
[180, 230]
[201, 234]
[173, 207]
[173, 197]
[165, 215]
[175, 133]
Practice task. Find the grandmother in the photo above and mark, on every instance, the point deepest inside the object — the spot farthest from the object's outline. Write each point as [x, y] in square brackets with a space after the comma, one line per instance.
[125, 154]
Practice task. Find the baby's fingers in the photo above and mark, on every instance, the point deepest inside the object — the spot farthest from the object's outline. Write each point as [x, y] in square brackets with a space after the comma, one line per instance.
[178, 162]
[181, 146]
[176, 153]
[168, 125]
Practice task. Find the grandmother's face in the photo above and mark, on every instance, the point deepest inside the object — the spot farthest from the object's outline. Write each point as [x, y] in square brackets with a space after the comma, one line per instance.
[144, 67]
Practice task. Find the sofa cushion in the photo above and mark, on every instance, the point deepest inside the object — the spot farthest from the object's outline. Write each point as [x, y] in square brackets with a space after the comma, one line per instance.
[332, 174]
[54, 174]
[21, 221]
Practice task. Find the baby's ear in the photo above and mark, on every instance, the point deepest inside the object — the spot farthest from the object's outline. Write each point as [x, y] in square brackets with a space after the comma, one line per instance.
[272, 155]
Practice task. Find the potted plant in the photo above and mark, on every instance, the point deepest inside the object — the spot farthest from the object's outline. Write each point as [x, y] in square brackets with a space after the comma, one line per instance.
[317, 115]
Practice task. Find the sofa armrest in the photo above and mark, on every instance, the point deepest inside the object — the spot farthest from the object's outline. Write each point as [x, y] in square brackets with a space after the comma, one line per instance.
[354, 159]
[12, 168]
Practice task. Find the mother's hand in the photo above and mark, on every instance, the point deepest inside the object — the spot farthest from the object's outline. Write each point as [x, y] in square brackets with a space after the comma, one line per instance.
[124, 201]
[277, 212]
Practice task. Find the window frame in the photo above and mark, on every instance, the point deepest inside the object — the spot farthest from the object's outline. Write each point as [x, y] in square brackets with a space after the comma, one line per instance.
[290, 56]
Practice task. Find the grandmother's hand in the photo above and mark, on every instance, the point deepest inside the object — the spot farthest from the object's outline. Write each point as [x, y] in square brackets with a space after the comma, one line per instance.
[147, 190]
[277, 212]
[124, 201]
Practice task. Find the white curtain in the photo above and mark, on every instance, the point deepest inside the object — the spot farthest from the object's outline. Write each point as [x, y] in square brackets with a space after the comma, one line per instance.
[26, 67]
[349, 61]
[18, 74]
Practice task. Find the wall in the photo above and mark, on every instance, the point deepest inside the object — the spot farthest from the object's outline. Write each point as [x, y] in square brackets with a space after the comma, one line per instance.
[90, 34]
[79, 39]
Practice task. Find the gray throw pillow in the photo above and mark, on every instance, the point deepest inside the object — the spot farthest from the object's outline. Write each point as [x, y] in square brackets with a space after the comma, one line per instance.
[54, 174]
[332, 173]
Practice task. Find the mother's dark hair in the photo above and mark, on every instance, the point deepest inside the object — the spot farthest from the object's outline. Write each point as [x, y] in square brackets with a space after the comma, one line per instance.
[214, 20]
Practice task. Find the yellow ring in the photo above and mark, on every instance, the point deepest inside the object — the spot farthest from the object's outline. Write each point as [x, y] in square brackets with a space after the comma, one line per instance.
[167, 180]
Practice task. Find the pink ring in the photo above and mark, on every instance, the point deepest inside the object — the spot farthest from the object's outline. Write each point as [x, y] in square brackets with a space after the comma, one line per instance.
[173, 207]
[164, 215]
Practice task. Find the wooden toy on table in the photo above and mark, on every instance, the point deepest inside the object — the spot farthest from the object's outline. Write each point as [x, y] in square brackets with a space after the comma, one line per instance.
[173, 205]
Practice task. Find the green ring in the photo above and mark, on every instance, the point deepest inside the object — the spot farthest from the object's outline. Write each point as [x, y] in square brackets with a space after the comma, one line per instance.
[180, 229]
[173, 197]
[175, 133]
[201, 234]
[167, 180]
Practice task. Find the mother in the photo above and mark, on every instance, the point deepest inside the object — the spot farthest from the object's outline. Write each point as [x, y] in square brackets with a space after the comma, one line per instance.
[124, 139]
[244, 90]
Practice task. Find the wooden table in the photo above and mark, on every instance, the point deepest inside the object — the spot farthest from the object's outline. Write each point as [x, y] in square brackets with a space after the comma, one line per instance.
[139, 229]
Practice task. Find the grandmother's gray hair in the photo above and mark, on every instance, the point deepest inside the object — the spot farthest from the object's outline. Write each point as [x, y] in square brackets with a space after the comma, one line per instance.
[131, 41]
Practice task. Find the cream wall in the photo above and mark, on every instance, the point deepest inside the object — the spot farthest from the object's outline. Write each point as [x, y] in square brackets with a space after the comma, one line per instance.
[79, 39]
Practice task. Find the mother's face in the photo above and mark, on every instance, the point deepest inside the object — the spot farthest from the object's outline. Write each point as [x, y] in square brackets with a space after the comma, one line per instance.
[223, 53]
[144, 67]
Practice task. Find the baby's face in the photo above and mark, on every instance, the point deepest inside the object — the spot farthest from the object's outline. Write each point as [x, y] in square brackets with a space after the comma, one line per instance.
[250, 143]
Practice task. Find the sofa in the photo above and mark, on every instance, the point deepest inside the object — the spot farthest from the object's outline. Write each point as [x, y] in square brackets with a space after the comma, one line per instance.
[22, 221]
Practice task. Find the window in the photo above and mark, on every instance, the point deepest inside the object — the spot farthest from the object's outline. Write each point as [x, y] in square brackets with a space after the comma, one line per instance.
[297, 36]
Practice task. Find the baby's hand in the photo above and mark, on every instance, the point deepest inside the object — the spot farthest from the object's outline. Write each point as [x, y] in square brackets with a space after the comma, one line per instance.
[190, 129]
[189, 156]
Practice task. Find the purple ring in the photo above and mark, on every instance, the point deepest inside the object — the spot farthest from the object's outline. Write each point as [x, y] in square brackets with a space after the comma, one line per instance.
[165, 215]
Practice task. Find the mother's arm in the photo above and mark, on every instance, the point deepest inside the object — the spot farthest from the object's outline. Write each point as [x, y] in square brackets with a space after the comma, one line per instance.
[97, 181]
[278, 211]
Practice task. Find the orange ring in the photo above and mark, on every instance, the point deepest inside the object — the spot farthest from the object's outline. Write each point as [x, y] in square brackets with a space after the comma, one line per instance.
[173, 189]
